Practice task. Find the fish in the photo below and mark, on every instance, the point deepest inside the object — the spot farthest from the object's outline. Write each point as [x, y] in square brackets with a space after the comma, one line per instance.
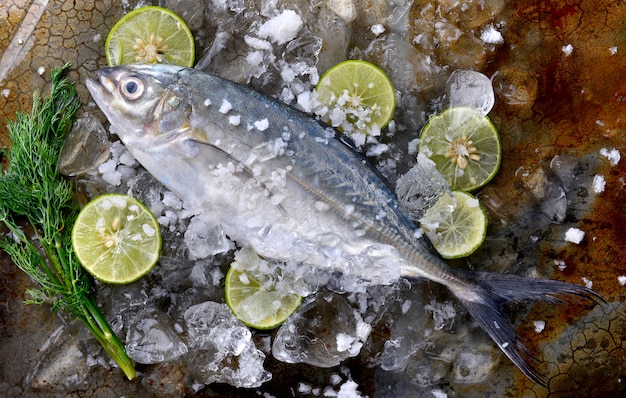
[291, 188]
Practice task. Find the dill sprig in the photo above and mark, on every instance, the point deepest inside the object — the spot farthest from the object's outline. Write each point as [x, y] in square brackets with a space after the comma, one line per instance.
[33, 191]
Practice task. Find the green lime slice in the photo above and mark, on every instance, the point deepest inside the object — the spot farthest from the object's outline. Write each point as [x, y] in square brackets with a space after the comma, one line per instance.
[256, 306]
[456, 225]
[150, 35]
[464, 145]
[359, 96]
[116, 238]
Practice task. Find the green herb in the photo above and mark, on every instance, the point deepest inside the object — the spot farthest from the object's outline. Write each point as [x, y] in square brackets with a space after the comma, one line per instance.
[33, 191]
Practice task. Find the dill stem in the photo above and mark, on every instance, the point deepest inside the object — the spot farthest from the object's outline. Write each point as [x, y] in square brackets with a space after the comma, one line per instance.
[94, 321]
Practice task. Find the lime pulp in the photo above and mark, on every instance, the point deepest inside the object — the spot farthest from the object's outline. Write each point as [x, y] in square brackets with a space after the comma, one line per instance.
[359, 96]
[116, 238]
[456, 224]
[464, 145]
[257, 304]
[150, 34]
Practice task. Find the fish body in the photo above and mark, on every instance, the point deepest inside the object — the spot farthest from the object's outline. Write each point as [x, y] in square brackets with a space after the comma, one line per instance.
[291, 188]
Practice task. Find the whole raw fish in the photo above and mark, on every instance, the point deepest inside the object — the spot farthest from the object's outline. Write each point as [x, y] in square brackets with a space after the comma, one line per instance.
[290, 188]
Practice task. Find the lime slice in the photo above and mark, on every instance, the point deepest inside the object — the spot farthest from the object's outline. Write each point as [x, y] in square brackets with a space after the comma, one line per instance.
[116, 238]
[359, 97]
[150, 35]
[456, 225]
[464, 145]
[255, 305]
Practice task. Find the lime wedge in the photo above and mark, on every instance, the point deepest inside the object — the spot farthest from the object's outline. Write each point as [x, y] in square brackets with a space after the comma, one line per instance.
[256, 305]
[150, 35]
[456, 225]
[464, 145]
[116, 238]
[359, 97]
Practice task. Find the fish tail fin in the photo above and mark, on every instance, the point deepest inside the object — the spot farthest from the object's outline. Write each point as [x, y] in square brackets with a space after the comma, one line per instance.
[489, 291]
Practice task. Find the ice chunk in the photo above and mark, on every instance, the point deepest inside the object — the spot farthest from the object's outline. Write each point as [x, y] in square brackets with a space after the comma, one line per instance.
[152, 339]
[349, 389]
[258, 44]
[598, 183]
[85, 148]
[470, 88]
[109, 172]
[323, 332]
[225, 107]
[261, 125]
[567, 50]
[515, 86]
[345, 9]
[204, 239]
[420, 187]
[439, 393]
[222, 350]
[613, 155]
[574, 235]
[554, 202]
[474, 362]
[63, 364]
[235, 120]
[539, 326]
[560, 265]
[491, 35]
[443, 313]
[281, 28]
[377, 29]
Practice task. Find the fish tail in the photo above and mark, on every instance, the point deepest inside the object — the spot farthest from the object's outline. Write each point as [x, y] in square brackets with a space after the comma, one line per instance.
[486, 292]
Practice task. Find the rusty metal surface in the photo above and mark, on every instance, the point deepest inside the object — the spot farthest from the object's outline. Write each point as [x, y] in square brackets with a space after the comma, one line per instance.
[567, 105]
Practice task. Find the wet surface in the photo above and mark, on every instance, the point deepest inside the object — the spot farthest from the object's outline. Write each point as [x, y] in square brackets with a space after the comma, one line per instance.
[556, 108]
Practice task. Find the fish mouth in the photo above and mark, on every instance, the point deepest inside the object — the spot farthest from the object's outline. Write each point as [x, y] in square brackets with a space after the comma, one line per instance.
[102, 90]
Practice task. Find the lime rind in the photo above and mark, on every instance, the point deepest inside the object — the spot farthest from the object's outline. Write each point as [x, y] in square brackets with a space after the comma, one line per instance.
[116, 239]
[138, 24]
[456, 225]
[359, 95]
[462, 127]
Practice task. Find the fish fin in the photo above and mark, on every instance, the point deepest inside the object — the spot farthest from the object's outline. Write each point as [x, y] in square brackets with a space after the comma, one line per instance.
[489, 291]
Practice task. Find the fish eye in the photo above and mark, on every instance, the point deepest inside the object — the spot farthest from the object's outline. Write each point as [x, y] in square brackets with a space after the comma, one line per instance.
[132, 88]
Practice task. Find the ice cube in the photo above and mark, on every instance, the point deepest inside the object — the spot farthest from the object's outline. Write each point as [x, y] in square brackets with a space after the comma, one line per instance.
[613, 155]
[281, 28]
[318, 333]
[221, 348]
[574, 235]
[515, 86]
[491, 35]
[420, 187]
[205, 239]
[598, 183]
[345, 9]
[85, 148]
[63, 363]
[472, 89]
[152, 339]
[475, 360]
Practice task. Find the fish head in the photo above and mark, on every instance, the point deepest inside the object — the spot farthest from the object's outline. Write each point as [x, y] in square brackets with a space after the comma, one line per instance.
[146, 104]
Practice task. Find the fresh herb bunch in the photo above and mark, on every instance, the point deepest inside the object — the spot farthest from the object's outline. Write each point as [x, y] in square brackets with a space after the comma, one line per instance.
[33, 190]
